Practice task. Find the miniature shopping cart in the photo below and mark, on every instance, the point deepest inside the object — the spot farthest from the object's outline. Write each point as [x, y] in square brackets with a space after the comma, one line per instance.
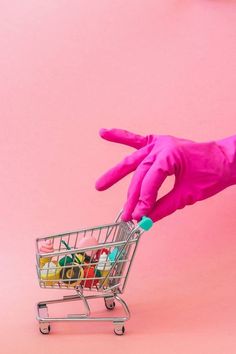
[99, 270]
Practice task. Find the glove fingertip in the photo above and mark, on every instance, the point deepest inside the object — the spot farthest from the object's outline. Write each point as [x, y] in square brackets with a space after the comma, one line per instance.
[126, 217]
[102, 132]
[141, 210]
[137, 215]
[100, 186]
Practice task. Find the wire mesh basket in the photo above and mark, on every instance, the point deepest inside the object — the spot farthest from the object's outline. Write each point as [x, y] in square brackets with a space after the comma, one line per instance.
[96, 259]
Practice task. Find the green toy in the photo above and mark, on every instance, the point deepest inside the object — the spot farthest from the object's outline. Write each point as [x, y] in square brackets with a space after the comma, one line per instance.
[65, 261]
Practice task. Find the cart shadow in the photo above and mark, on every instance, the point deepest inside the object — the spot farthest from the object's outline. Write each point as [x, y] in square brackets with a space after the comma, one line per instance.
[179, 314]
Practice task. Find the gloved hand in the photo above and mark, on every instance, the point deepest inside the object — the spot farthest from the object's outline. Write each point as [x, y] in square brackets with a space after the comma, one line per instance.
[201, 170]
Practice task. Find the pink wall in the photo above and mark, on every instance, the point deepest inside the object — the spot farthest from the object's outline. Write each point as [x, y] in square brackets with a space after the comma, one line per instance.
[68, 68]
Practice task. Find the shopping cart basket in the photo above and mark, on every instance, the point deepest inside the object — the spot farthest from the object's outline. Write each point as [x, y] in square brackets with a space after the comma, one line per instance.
[99, 270]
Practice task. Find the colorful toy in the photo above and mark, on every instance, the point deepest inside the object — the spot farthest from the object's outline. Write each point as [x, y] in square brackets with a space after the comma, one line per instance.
[46, 247]
[50, 273]
[65, 261]
[114, 254]
[104, 266]
[87, 241]
[90, 272]
[79, 258]
[98, 254]
[71, 276]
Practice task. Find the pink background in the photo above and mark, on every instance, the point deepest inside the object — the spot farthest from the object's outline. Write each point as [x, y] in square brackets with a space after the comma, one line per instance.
[68, 68]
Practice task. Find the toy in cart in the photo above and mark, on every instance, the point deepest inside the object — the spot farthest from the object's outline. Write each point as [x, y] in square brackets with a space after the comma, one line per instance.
[94, 262]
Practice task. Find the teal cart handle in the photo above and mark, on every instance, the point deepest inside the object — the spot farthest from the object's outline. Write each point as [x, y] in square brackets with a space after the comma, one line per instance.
[146, 223]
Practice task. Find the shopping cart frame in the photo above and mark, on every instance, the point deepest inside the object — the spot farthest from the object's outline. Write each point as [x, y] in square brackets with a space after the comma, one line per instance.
[110, 294]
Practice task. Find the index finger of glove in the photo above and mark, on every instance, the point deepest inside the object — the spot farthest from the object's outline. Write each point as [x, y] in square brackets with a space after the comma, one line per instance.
[122, 169]
[125, 137]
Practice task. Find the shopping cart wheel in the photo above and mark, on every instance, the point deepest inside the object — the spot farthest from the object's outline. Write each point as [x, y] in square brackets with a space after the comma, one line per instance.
[119, 329]
[44, 328]
[109, 303]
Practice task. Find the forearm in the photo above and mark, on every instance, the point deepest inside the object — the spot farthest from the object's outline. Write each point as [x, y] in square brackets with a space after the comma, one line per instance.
[228, 147]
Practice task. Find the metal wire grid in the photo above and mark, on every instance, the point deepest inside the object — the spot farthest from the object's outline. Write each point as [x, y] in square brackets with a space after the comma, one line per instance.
[119, 234]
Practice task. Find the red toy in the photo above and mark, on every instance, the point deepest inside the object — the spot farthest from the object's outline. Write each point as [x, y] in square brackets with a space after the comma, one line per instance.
[89, 272]
[98, 254]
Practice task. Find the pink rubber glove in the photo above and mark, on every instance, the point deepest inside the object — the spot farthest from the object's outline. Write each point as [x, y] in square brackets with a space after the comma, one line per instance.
[201, 170]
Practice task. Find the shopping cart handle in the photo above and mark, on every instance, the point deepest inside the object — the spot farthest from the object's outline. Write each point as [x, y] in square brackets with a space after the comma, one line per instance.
[146, 223]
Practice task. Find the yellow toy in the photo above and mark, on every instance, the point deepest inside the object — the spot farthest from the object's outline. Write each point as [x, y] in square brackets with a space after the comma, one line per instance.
[50, 273]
